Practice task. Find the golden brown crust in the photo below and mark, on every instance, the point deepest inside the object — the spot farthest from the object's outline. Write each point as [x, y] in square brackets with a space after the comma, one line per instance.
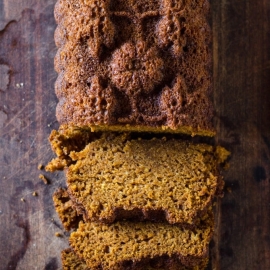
[132, 63]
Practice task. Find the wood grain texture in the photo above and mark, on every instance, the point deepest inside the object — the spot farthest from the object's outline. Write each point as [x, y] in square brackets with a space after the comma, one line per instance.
[241, 45]
[241, 31]
[27, 107]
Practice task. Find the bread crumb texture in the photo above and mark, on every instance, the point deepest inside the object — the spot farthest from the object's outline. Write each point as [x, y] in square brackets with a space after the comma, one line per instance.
[124, 244]
[65, 210]
[70, 261]
[116, 177]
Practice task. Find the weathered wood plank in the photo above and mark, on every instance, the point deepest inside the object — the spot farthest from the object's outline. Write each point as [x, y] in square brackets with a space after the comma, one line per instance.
[27, 106]
[242, 92]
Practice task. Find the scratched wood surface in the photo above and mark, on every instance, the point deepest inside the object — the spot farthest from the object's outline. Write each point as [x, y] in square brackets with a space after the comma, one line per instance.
[241, 46]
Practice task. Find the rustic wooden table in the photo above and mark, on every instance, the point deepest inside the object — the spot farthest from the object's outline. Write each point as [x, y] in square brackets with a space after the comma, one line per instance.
[241, 32]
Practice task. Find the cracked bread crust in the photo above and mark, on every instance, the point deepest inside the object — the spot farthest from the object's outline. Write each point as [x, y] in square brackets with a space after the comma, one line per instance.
[65, 140]
[130, 66]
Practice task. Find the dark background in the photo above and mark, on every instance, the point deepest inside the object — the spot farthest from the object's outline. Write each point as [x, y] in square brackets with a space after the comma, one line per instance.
[241, 47]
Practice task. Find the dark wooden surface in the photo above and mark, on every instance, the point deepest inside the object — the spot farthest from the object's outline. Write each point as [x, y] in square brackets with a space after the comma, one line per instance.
[241, 32]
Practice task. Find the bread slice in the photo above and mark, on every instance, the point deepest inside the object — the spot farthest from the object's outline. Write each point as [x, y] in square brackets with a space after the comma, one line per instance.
[171, 234]
[65, 140]
[70, 261]
[65, 210]
[128, 65]
[132, 245]
[117, 177]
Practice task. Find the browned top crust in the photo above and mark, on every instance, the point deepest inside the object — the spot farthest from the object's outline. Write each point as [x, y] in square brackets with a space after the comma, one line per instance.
[134, 65]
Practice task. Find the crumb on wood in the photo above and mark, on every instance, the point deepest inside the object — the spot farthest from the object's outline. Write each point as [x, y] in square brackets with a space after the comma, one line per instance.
[226, 166]
[44, 179]
[40, 166]
[229, 189]
[34, 194]
[19, 85]
[57, 234]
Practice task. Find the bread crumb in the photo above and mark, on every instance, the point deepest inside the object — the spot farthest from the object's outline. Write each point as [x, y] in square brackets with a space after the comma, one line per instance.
[57, 234]
[22, 199]
[40, 166]
[44, 179]
[226, 166]
[34, 193]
